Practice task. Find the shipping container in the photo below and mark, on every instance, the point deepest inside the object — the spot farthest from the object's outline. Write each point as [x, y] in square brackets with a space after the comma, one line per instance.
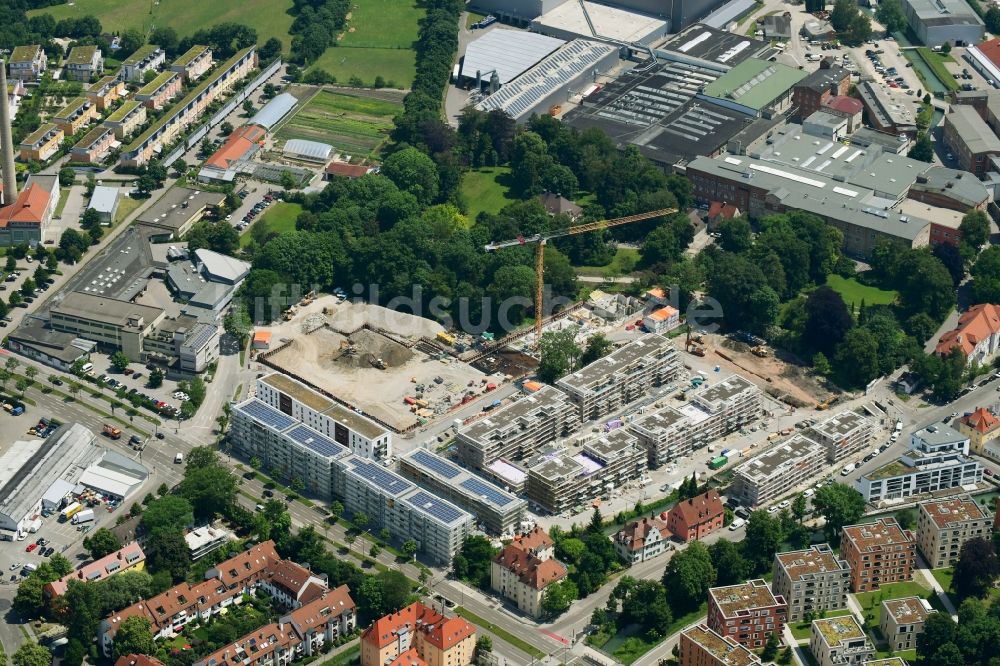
[718, 462]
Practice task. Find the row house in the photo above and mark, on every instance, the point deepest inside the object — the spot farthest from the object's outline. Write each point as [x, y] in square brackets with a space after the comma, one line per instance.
[126, 119]
[160, 91]
[75, 116]
[41, 144]
[94, 146]
[27, 62]
[193, 63]
[105, 92]
[148, 58]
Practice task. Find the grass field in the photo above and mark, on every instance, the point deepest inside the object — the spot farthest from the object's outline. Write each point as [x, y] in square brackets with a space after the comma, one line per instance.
[393, 65]
[853, 292]
[935, 61]
[268, 17]
[802, 631]
[483, 191]
[943, 577]
[871, 602]
[502, 634]
[623, 264]
[352, 123]
[279, 218]
[126, 206]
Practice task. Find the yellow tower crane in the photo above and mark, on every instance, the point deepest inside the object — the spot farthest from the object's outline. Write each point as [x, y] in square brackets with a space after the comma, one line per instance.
[542, 239]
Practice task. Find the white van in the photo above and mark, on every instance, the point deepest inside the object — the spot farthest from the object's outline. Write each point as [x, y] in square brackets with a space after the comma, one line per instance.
[86, 367]
[178, 458]
[847, 469]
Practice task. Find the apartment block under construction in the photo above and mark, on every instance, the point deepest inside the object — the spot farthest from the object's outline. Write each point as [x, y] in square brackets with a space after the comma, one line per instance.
[712, 412]
[517, 430]
[621, 377]
[561, 478]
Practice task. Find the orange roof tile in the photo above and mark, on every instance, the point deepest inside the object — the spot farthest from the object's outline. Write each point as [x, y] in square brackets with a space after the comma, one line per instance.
[262, 336]
[976, 324]
[29, 206]
[239, 143]
[981, 420]
[634, 534]
[442, 632]
[699, 509]
[991, 50]
[664, 313]
[138, 660]
[408, 658]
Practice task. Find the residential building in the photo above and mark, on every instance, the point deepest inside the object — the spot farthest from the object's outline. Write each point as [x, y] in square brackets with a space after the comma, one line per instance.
[160, 91]
[105, 92]
[937, 459]
[770, 475]
[700, 646]
[193, 63]
[293, 585]
[935, 22]
[138, 660]
[347, 428]
[748, 613]
[407, 511]
[902, 621]
[696, 517]
[524, 568]
[977, 334]
[206, 539]
[27, 62]
[561, 477]
[556, 204]
[642, 540]
[981, 426]
[128, 558]
[126, 119]
[970, 139]
[621, 377]
[75, 116]
[839, 641]
[435, 640]
[109, 322]
[713, 411]
[879, 552]
[83, 63]
[147, 58]
[811, 581]
[844, 435]
[41, 144]
[811, 93]
[495, 509]
[517, 429]
[94, 146]
[944, 525]
[662, 320]
[165, 129]
[302, 633]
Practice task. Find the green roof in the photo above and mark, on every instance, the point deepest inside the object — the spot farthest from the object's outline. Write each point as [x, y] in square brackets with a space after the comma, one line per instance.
[755, 83]
[102, 83]
[81, 55]
[140, 54]
[39, 133]
[895, 468]
[92, 136]
[190, 55]
[160, 79]
[71, 108]
[24, 53]
[122, 111]
[187, 99]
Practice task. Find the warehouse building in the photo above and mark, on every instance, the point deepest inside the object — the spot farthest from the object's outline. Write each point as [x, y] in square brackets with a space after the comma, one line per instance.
[272, 112]
[812, 581]
[516, 430]
[884, 113]
[501, 55]
[775, 472]
[105, 202]
[173, 214]
[712, 412]
[498, 511]
[755, 87]
[935, 22]
[678, 15]
[53, 348]
[568, 71]
[560, 477]
[111, 323]
[348, 428]
[621, 377]
[590, 20]
[35, 475]
[406, 510]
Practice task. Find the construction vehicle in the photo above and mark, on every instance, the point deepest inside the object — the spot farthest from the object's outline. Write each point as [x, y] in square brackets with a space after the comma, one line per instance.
[760, 350]
[378, 363]
[696, 350]
[446, 338]
[542, 239]
[112, 432]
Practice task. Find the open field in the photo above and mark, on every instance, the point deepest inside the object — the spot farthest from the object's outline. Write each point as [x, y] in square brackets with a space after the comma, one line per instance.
[483, 191]
[871, 602]
[269, 18]
[126, 206]
[623, 263]
[396, 65]
[853, 292]
[279, 218]
[353, 123]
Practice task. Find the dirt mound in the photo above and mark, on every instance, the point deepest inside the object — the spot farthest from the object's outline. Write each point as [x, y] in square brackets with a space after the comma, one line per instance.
[366, 346]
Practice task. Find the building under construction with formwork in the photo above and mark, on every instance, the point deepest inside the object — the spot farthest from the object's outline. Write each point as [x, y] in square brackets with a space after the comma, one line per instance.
[712, 412]
[497, 511]
[767, 477]
[621, 377]
[518, 429]
[844, 434]
[563, 477]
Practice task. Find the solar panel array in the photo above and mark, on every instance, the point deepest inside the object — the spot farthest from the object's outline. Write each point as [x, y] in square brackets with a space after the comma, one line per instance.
[380, 477]
[435, 507]
[315, 441]
[486, 491]
[269, 416]
[436, 464]
[521, 96]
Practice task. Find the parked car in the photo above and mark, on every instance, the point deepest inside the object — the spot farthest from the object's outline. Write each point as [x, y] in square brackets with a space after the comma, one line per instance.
[737, 524]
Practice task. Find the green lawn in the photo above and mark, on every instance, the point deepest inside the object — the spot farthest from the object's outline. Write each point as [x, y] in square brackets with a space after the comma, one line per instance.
[63, 196]
[871, 602]
[269, 18]
[802, 631]
[853, 292]
[482, 191]
[943, 577]
[502, 634]
[396, 65]
[935, 61]
[126, 206]
[351, 122]
[626, 648]
[279, 218]
[623, 264]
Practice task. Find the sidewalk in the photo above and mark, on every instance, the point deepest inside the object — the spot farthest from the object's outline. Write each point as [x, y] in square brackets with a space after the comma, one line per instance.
[942, 595]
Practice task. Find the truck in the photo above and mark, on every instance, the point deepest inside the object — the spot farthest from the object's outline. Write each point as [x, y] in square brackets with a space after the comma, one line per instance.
[112, 432]
[85, 516]
[718, 462]
[70, 511]
[17, 410]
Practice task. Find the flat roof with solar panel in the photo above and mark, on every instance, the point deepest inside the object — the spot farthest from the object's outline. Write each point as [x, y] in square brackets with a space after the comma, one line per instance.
[315, 441]
[266, 414]
[376, 476]
[436, 463]
[436, 507]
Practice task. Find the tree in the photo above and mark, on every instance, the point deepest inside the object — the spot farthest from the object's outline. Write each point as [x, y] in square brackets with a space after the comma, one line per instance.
[799, 507]
[166, 551]
[558, 596]
[413, 171]
[598, 346]
[992, 19]
[237, 323]
[271, 49]
[156, 378]
[977, 569]
[129, 41]
[922, 148]
[102, 542]
[558, 354]
[857, 357]
[821, 365]
[226, 128]
[410, 548]
[484, 644]
[248, 107]
[31, 654]
[360, 520]
[211, 490]
[975, 229]
[134, 637]
[67, 176]
[770, 650]
[946, 48]
[827, 319]
[146, 184]
[688, 576]
[730, 565]
[119, 361]
[890, 14]
[843, 13]
[180, 165]
[907, 518]
[860, 29]
[287, 180]
[763, 536]
[169, 513]
[840, 505]
[735, 235]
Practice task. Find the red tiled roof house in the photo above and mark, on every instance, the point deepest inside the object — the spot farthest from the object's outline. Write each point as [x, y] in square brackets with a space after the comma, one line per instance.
[696, 517]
